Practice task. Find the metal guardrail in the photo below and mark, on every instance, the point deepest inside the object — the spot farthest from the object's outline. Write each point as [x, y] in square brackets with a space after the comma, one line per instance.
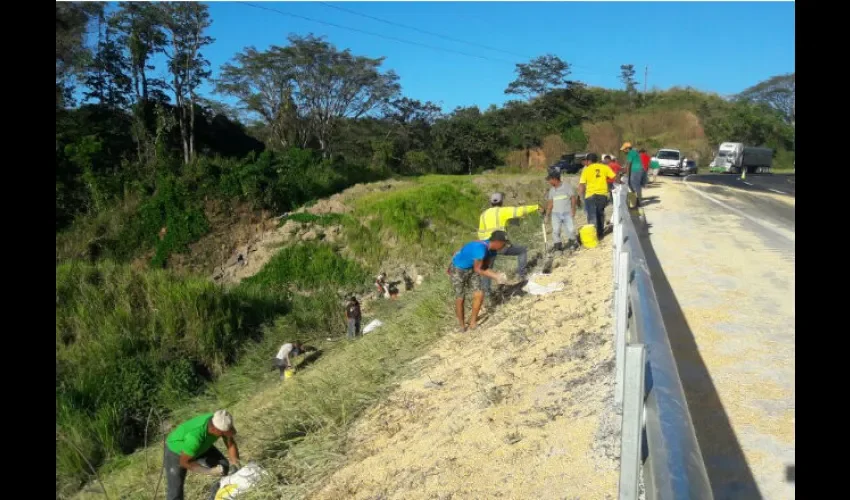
[655, 412]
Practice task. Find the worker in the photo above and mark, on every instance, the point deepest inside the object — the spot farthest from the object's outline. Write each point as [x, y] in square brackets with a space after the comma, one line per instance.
[381, 285]
[653, 169]
[189, 447]
[352, 317]
[593, 184]
[615, 167]
[496, 218]
[561, 205]
[635, 169]
[644, 161]
[283, 359]
[469, 265]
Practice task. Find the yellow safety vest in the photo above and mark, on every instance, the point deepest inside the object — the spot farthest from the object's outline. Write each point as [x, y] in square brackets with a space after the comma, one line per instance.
[496, 218]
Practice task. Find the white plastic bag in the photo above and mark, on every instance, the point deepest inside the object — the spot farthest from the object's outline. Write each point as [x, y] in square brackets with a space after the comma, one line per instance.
[239, 482]
[536, 289]
[375, 323]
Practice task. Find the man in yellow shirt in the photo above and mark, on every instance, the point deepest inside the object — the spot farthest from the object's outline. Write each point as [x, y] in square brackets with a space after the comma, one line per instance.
[593, 185]
[496, 218]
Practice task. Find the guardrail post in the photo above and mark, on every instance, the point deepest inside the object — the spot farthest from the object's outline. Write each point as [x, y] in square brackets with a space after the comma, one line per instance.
[621, 321]
[632, 428]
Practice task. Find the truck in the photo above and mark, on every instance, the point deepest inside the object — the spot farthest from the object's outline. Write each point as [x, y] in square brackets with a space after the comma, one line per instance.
[669, 161]
[735, 157]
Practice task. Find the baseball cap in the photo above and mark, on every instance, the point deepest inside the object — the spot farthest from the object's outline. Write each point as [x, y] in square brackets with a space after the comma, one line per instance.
[625, 146]
[223, 421]
[496, 197]
[499, 236]
[553, 175]
[592, 157]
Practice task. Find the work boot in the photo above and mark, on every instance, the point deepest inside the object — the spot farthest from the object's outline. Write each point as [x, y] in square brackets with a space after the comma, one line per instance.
[557, 247]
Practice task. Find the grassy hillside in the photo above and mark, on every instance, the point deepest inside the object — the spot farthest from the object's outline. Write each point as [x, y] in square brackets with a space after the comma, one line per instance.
[161, 339]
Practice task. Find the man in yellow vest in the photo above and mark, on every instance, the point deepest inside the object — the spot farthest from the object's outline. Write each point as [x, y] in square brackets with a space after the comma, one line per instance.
[496, 218]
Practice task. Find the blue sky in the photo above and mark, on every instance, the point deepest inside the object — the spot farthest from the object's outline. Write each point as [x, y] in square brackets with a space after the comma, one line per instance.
[721, 47]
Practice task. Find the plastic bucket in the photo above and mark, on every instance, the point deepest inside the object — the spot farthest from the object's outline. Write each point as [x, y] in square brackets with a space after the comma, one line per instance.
[587, 235]
[289, 373]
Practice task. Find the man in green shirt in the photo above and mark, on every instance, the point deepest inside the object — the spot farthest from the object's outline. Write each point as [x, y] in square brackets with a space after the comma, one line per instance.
[653, 170]
[635, 167]
[190, 447]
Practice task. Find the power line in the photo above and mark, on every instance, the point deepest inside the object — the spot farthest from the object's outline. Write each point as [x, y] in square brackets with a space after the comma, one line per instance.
[438, 35]
[401, 40]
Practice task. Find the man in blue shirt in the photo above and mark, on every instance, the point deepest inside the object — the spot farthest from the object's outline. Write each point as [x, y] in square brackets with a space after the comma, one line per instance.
[469, 264]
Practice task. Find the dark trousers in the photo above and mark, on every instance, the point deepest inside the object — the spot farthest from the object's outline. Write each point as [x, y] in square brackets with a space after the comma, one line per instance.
[596, 212]
[175, 475]
[521, 253]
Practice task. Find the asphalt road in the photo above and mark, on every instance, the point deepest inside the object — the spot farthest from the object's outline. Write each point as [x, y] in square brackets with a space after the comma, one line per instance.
[722, 262]
[772, 183]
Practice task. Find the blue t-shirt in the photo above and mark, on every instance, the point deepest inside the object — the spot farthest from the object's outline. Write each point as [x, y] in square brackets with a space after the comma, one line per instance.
[476, 250]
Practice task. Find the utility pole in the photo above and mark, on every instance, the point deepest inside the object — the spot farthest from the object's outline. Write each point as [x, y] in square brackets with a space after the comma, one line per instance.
[645, 76]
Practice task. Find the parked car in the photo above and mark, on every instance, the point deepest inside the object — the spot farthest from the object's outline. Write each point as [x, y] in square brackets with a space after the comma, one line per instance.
[569, 163]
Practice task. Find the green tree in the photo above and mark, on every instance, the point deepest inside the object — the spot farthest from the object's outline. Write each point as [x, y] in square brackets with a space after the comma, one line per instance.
[627, 76]
[107, 79]
[72, 54]
[539, 75]
[185, 24]
[778, 93]
[467, 139]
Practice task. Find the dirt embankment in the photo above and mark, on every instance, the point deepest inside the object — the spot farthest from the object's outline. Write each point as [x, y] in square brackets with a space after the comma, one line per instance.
[520, 408]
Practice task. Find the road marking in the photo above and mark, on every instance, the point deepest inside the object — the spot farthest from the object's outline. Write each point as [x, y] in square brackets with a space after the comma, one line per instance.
[747, 183]
[769, 227]
[777, 191]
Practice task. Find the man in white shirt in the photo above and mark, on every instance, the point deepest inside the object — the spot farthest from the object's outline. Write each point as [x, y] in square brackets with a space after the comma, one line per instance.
[283, 360]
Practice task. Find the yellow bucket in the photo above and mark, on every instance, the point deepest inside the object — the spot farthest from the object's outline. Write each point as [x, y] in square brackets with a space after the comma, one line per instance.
[288, 373]
[587, 235]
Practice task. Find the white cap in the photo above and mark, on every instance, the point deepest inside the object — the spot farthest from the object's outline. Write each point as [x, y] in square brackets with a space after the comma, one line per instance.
[496, 198]
[223, 421]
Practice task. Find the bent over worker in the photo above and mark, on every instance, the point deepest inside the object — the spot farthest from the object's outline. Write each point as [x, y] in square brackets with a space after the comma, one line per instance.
[496, 218]
[469, 265]
[189, 447]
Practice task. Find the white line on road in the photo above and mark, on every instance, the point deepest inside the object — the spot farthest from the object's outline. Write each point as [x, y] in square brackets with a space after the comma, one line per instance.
[777, 191]
[747, 183]
[769, 227]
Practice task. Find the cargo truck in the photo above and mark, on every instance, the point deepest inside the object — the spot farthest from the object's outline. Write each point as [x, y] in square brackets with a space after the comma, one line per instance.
[734, 157]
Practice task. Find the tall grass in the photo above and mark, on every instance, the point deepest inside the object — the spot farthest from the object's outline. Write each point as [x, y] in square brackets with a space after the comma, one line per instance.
[308, 265]
[421, 224]
[128, 341]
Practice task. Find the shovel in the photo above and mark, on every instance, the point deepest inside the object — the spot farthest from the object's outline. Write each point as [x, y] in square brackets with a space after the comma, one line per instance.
[547, 255]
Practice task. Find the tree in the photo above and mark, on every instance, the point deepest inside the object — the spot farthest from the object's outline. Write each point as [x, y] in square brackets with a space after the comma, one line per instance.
[184, 24]
[263, 82]
[142, 35]
[72, 54]
[331, 85]
[627, 76]
[777, 92]
[107, 78]
[540, 75]
[467, 139]
[310, 85]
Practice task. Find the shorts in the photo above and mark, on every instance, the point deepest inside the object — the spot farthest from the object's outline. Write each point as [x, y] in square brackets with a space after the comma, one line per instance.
[463, 280]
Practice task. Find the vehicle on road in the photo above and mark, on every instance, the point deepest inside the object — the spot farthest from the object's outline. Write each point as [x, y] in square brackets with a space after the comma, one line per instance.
[669, 161]
[569, 163]
[689, 167]
[735, 157]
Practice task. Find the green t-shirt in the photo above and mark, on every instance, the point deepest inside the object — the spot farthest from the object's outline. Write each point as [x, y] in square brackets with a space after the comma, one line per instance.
[633, 159]
[654, 165]
[191, 437]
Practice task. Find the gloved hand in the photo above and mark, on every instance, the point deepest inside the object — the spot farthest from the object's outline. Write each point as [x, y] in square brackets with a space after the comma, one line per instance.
[217, 471]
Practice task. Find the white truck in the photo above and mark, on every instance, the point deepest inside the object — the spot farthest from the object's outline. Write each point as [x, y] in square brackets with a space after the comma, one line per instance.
[669, 161]
[733, 157]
